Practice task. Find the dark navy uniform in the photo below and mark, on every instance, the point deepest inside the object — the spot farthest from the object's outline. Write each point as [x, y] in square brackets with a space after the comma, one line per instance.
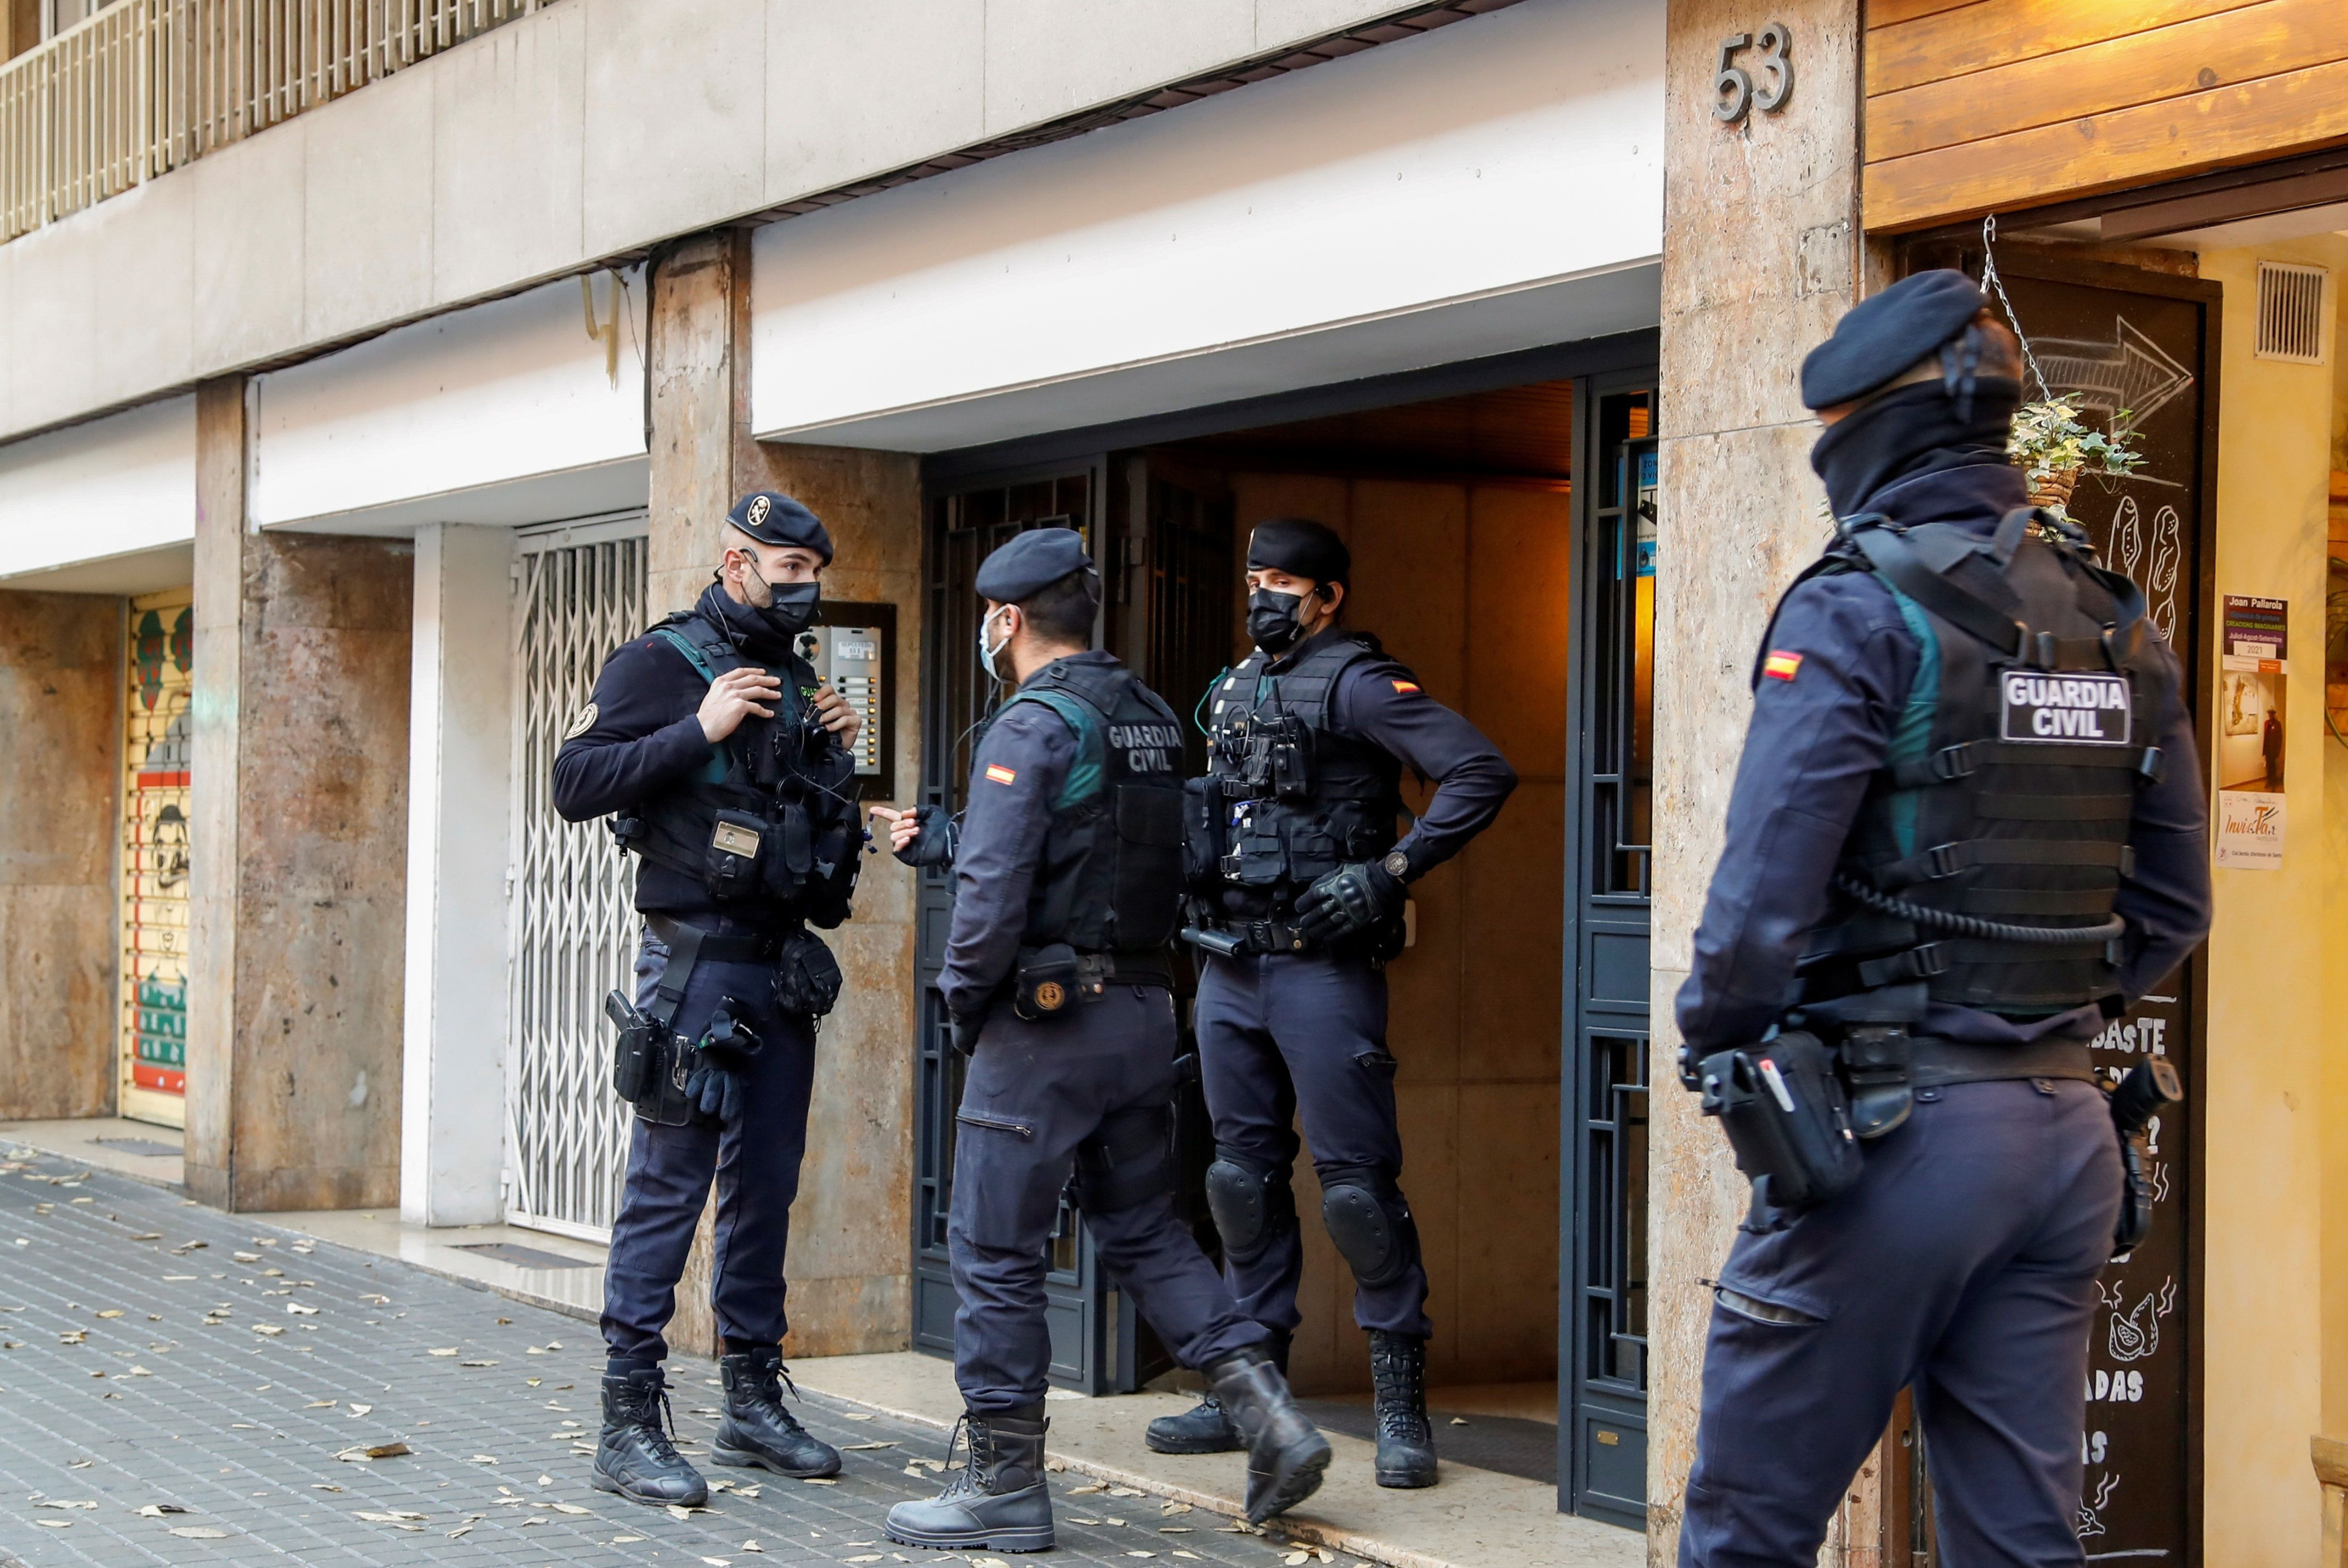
[1068, 892]
[1963, 1260]
[1091, 1088]
[1284, 1033]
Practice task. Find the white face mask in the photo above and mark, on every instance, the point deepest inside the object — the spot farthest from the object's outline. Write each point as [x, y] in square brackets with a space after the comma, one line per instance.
[989, 652]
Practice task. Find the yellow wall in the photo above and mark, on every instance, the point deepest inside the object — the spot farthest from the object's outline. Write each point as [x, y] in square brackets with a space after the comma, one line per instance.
[2269, 1105]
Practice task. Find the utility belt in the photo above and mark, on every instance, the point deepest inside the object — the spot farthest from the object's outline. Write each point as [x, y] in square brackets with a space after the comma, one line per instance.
[1050, 981]
[1227, 937]
[651, 1061]
[1799, 1110]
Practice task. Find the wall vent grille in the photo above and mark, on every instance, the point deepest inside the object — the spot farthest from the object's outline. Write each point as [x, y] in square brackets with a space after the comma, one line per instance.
[2290, 312]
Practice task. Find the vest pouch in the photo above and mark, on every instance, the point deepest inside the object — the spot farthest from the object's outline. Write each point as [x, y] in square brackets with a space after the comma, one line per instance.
[1202, 833]
[1147, 895]
[791, 854]
[1784, 1109]
[729, 861]
[806, 976]
[1045, 984]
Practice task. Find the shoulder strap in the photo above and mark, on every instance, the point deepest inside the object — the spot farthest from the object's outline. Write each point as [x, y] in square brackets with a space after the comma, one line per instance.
[1890, 555]
[1084, 774]
[691, 652]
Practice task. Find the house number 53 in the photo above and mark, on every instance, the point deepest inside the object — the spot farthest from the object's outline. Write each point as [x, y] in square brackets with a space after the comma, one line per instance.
[1735, 96]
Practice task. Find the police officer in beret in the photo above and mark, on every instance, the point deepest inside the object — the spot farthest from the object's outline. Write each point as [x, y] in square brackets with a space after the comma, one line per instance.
[1299, 880]
[1966, 831]
[725, 767]
[1068, 892]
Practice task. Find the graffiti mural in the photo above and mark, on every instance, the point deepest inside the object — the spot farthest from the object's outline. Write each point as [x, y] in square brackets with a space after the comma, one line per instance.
[155, 857]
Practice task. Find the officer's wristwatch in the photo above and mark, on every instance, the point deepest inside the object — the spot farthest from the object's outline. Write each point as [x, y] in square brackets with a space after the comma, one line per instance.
[1397, 866]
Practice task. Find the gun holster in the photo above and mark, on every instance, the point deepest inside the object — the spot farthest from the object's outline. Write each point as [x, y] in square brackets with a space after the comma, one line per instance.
[1879, 1066]
[2149, 1085]
[1788, 1120]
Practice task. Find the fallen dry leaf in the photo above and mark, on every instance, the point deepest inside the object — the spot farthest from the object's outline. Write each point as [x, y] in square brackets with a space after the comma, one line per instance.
[1294, 1558]
[299, 1310]
[271, 1329]
[66, 1503]
[450, 1350]
[158, 1510]
[387, 1518]
[199, 1533]
[1191, 1556]
[460, 1531]
[1172, 1508]
[390, 1450]
[865, 1557]
[852, 1447]
[1124, 1492]
[111, 1312]
[626, 1540]
[246, 1257]
[818, 1481]
[361, 1409]
[569, 1508]
[55, 1523]
[678, 1510]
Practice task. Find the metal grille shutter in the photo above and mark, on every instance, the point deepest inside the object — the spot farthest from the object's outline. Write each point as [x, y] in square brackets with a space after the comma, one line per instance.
[573, 920]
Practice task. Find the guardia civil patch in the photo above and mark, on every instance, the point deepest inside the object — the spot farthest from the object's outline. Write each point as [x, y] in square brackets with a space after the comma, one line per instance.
[2085, 709]
[582, 724]
[1781, 666]
[998, 774]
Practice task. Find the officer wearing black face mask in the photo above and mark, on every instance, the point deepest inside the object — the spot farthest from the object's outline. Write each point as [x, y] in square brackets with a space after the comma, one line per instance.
[725, 767]
[1299, 881]
[1067, 890]
[1967, 829]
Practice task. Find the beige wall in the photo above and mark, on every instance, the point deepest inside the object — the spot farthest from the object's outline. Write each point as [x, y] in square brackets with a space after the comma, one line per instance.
[2274, 1118]
[299, 878]
[851, 1227]
[61, 707]
[1475, 1024]
[1760, 259]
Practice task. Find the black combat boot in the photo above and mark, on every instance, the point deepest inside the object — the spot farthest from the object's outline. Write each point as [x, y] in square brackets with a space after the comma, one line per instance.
[1203, 1429]
[1405, 1440]
[635, 1457]
[1286, 1453]
[998, 1500]
[758, 1429]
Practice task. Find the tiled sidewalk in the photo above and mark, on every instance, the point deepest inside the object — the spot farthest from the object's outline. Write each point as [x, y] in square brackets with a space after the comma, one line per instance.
[180, 1386]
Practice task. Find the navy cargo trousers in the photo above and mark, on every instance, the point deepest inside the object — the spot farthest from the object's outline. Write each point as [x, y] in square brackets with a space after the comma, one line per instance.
[753, 1159]
[1965, 1264]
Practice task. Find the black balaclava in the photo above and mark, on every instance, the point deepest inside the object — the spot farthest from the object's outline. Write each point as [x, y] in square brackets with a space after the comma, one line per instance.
[1913, 430]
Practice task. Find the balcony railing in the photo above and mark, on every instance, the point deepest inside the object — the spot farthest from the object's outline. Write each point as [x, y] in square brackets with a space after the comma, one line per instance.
[145, 86]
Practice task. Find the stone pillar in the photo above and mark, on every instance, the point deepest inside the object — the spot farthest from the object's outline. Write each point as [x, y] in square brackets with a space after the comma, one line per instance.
[299, 872]
[849, 1264]
[1761, 256]
[61, 685]
[459, 812]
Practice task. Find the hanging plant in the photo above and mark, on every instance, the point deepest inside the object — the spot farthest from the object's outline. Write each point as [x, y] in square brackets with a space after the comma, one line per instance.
[2053, 450]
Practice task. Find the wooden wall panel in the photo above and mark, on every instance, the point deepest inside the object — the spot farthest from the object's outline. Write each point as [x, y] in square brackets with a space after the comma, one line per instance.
[2002, 105]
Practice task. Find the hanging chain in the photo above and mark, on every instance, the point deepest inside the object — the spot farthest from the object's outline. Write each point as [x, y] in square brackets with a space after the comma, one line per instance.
[1997, 285]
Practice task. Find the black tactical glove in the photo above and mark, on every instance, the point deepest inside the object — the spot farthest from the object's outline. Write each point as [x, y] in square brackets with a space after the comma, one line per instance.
[935, 845]
[1349, 902]
[962, 1029]
[716, 1085]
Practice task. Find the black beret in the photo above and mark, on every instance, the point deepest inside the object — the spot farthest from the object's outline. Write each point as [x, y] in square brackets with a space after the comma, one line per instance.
[1299, 546]
[1885, 334]
[1031, 563]
[771, 517]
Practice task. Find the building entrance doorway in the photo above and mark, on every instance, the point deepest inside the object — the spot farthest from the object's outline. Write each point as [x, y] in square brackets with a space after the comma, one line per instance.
[1515, 591]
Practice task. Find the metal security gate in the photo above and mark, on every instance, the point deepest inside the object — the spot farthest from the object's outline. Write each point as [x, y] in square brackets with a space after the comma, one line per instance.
[579, 592]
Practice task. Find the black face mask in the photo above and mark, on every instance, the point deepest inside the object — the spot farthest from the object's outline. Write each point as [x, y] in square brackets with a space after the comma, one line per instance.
[789, 608]
[1272, 620]
[1913, 430]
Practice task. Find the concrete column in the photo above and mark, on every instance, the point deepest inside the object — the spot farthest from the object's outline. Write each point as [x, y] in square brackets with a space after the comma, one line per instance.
[460, 805]
[1762, 256]
[61, 684]
[299, 863]
[849, 1264]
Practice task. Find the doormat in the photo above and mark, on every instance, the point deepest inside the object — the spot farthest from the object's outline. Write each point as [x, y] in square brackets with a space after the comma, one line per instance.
[526, 1257]
[1509, 1444]
[139, 1146]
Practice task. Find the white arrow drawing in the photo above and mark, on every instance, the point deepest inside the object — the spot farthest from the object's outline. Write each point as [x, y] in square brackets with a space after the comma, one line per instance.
[2130, 376]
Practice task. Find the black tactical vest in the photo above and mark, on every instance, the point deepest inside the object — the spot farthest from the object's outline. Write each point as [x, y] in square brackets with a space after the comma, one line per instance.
[1111, 881]
[2001, 815]
[1287, 799]
[771, 815]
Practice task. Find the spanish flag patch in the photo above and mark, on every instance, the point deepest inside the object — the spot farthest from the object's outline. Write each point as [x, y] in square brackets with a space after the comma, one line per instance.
[1403, 688]
[1781, 665]
[998, 774]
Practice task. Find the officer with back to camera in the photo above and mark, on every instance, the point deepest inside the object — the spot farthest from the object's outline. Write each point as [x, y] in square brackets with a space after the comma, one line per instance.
[1300, 882]
[725, 765]
[1067, 890]
[1966, 831]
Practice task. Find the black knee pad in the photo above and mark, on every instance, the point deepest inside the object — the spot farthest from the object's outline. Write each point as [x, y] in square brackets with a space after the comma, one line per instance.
[1128, 1161]
[1369, 1220]
[1253, 1203]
